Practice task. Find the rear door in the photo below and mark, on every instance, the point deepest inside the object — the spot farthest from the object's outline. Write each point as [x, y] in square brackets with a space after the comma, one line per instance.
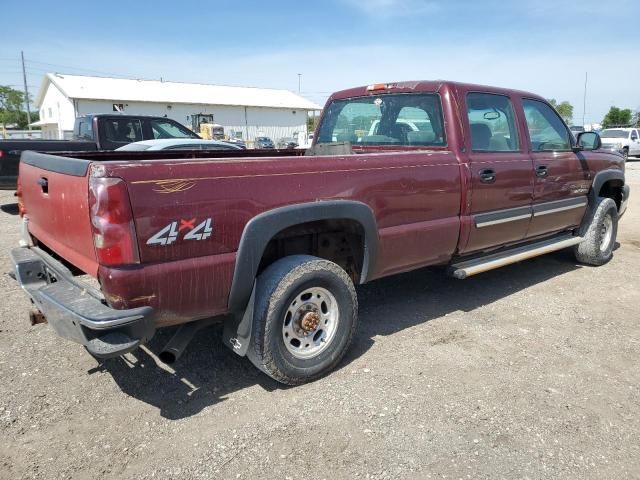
[562, 178]
[501, 172]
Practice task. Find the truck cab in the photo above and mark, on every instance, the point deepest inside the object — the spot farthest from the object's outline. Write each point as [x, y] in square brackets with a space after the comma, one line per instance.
[112, 131]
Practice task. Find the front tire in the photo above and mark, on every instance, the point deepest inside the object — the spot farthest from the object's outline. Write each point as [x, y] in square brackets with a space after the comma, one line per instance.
[625, 154]
[597, 247]
[305, 316]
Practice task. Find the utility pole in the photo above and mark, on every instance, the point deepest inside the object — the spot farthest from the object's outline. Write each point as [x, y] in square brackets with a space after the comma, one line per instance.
[584, 102]
[299, 82]
[26, 90]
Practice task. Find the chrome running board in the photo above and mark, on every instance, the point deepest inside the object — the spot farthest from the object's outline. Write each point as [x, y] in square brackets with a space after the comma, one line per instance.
[477, 265]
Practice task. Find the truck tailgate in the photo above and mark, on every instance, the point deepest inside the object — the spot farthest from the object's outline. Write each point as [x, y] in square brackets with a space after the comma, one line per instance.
[55, 194]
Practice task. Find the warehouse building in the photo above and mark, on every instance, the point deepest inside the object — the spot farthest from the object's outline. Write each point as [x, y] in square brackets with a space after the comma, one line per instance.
[244, 113]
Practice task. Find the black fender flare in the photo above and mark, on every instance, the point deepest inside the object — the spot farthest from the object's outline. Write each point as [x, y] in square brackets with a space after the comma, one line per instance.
[255, 237]
[263, 227]
[599, 180]
[603, 177]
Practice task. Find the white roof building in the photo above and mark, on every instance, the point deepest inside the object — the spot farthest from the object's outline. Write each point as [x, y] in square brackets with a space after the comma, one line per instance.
[243, 112]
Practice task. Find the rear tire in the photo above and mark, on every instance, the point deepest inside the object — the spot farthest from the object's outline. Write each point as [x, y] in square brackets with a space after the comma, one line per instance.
[305, 316]
[600, 239]
[625, 153]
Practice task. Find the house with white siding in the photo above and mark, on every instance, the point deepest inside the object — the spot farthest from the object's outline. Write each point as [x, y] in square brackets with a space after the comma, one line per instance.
[243, 112]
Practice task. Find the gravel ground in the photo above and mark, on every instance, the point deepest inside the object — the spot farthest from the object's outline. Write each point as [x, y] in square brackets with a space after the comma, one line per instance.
[531, 371]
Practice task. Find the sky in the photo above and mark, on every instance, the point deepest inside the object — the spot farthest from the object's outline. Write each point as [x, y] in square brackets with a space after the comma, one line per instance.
[542, 46]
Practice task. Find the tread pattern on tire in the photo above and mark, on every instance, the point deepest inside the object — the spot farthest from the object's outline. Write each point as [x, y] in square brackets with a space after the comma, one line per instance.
[588, 251]
[272, 284]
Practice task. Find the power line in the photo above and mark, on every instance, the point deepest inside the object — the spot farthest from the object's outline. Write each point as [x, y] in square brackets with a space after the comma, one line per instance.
[72, 68]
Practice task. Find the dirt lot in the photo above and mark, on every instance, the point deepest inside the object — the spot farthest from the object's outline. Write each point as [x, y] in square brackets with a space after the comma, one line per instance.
[531, 371]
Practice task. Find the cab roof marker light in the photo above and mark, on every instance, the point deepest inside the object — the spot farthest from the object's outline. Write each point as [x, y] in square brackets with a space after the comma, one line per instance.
[376, 86]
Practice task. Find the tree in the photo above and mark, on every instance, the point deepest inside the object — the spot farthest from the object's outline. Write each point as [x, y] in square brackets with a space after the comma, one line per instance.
[11, 108]
[564, 109]
[617, 117]
[311, 123]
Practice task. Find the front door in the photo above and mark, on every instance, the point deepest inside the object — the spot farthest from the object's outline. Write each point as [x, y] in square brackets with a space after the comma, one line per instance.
[501, 174]
[562, 179]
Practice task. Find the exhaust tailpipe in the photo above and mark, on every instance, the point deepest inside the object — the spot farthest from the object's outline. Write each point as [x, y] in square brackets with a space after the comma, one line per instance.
[175, 347]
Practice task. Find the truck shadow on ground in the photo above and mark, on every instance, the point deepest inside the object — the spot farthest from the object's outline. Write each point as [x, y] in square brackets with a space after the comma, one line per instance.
[10, 208]
[208, 371]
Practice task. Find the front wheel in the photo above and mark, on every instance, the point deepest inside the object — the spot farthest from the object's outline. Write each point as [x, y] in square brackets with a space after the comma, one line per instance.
[625, 153]
[598, 243]
[305, 316]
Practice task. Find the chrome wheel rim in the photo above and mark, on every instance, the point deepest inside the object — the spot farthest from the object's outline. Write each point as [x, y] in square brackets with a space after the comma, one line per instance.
[310, 322]
[606, 233]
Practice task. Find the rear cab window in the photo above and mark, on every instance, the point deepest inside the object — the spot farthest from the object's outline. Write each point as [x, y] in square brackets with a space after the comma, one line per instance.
[85, 128]
[400, 119]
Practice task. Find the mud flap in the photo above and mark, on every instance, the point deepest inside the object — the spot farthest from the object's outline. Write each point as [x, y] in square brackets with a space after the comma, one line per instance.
[237, 330]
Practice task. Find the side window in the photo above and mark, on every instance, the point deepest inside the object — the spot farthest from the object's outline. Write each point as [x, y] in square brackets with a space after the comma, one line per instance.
[183, 147]
[546, 130]
[492, 123]
[634, 135]
[122, 130]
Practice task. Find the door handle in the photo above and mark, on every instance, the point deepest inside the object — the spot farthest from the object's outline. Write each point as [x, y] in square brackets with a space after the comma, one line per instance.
[542, 171]
[487, 175]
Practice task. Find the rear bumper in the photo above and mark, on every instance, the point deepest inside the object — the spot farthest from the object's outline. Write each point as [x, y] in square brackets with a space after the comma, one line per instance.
[626, 191]
[76, 312]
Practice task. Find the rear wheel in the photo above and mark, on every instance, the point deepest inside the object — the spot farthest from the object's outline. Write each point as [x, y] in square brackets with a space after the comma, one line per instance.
[625, 153]
[600, 239]
[304, 318]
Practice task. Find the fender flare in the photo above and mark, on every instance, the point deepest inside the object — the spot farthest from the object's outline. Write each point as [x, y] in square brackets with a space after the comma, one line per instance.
[598, 181]
[603, 177]
[262, 228]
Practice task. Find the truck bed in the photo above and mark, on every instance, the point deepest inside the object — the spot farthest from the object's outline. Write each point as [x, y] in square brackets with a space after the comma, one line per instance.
[171, 188]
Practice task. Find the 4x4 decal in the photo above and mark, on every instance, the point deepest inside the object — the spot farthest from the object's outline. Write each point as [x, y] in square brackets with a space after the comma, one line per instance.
[170, 233]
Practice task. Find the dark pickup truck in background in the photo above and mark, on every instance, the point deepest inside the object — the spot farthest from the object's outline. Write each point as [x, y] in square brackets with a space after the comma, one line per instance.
[91, 132]
[400, 176]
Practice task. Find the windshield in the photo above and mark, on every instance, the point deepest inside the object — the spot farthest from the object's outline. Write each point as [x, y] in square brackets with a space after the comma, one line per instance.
[387, 119]
[614, 134]
[169, 129]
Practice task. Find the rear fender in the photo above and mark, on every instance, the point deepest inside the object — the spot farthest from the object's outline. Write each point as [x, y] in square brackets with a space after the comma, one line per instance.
[255, 238]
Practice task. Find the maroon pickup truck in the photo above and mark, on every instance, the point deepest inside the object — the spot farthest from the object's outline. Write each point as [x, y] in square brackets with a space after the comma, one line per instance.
[400, 176]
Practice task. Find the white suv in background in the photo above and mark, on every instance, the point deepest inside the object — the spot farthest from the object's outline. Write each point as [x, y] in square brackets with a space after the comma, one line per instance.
[626, 140]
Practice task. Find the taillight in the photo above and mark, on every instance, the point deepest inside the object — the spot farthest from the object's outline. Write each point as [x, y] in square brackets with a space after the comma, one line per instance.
[114, 233]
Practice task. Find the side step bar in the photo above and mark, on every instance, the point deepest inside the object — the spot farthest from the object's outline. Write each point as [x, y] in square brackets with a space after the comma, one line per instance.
[468, 268]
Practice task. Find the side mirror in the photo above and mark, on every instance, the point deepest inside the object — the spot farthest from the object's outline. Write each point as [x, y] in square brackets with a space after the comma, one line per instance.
[588, 141]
